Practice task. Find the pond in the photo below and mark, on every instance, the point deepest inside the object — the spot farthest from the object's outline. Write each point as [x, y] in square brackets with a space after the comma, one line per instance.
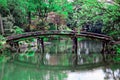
[58, 62]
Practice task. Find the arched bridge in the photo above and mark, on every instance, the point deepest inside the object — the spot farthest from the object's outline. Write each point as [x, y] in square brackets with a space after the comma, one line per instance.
[60, 33]
[39, 35]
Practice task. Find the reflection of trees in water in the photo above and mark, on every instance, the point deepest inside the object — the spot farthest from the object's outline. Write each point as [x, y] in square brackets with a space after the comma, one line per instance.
[59, 46]
[112, 74]
[57, 75]
[18, 72]
[89, 46]
[58, 59]
[89, 51]
[12, 71]
[89, 58]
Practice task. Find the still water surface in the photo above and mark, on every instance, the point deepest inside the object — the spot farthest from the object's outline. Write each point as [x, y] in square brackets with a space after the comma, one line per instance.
[57, 63]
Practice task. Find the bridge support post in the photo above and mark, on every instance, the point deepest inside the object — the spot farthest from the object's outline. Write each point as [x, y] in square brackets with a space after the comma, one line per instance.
[42, 46]
[40, 43]
[74, 50]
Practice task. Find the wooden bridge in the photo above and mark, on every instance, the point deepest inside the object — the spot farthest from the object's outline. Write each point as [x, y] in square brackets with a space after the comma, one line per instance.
[39, 35]
[60, 33]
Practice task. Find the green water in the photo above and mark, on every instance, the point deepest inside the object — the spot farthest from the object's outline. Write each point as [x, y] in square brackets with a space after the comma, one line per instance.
[17, 71]
[59, 63]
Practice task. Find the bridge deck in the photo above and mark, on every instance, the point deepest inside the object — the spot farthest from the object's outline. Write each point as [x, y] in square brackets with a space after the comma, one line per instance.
[60, 33]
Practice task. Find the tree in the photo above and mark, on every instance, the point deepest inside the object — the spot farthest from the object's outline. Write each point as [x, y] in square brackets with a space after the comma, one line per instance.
[92, 11]
[3, 8]
[117, 2]
[43, 8]
[3, 5]
[18, 10]
[56, 19]
[1, 25]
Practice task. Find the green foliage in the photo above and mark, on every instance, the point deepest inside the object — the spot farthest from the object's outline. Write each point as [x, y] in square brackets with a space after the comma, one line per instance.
[115, 34]
[4, 11]
[63, 7]
[30, 53]
[8, 23]
[91, 11]
[2, 59]
[79, 39]
[24, 11]
[18, 10]
[17, 30]
[117, 49]
[60, 6]
[30, 5]
[2, 42]
[3, 6]
[46, 39]
[4, 47]
[4, 51]
[3, 2]
[117, 2]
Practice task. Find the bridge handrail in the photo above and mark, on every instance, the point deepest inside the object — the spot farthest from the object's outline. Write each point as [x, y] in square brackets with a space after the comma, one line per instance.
[97, 34]
[83, 32]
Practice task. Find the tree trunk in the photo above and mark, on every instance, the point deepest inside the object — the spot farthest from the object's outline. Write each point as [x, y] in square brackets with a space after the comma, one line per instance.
[29, 19]
[1, 25]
